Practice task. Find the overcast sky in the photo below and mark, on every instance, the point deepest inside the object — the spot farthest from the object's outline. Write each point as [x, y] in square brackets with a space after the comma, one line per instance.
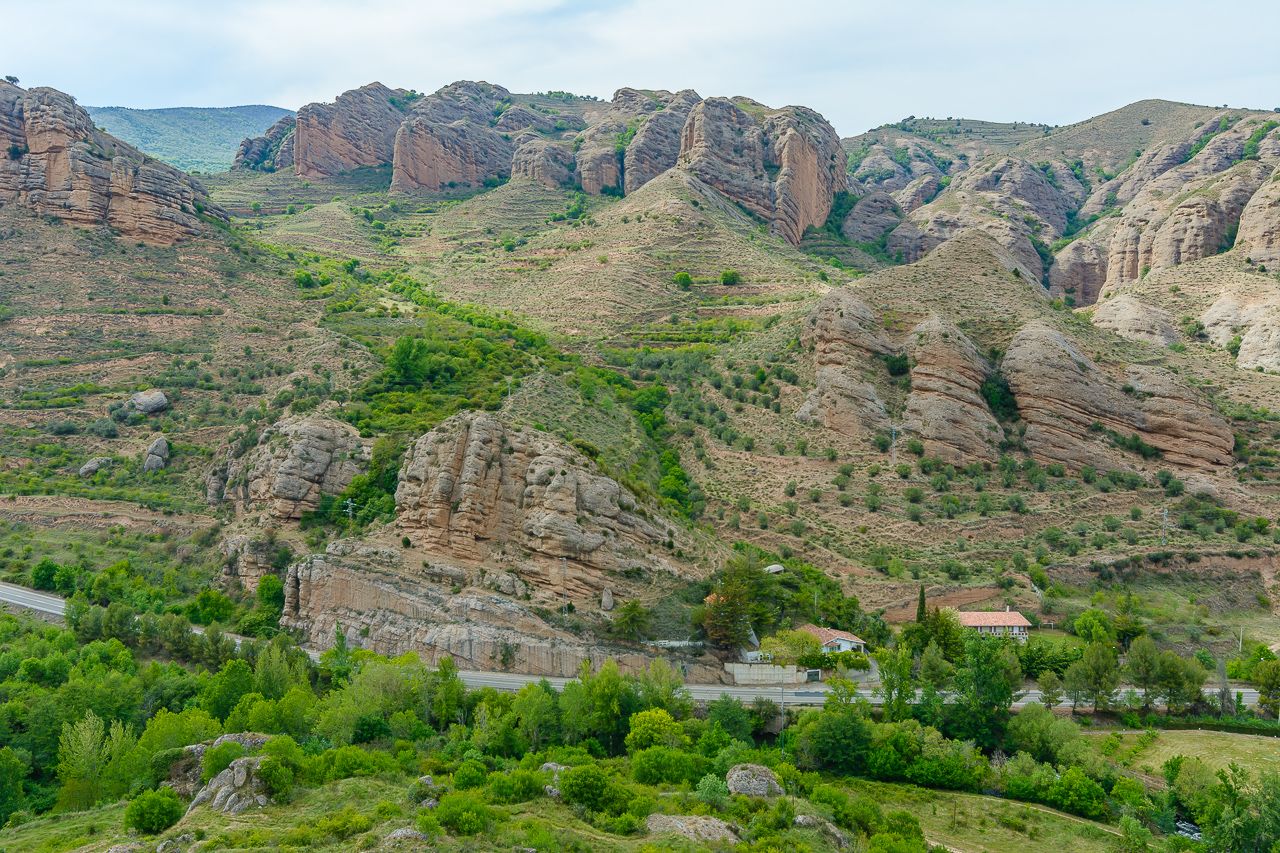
[861, 64]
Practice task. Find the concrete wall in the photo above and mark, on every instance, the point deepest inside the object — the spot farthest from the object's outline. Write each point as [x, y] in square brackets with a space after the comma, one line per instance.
[764, 673]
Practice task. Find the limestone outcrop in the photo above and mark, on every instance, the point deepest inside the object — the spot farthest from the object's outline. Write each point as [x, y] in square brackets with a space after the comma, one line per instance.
[483, 492]
[270, 152]
[1075, 412]
[946, 407]
[357, 129]
[753, 780]
[1259, 233]
[295, 462]
[235, 790]
[1079, 271]
[1254, 316]
[449, 139]
[699, 828]
[54, 161]
[783, 165]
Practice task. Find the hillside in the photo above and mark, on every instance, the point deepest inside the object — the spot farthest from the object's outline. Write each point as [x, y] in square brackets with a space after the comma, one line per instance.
[195, 139]
[536, 385]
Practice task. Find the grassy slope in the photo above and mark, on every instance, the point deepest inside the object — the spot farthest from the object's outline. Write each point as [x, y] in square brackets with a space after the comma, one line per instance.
[201, 139]
[1255, 753]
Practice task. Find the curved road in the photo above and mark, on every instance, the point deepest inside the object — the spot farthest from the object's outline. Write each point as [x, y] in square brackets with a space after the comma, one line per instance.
[806, 694]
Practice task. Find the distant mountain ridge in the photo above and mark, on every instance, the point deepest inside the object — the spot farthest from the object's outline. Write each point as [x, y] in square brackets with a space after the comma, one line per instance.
[195, 139]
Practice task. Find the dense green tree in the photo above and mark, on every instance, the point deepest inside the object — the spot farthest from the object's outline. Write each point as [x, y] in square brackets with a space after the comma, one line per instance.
[13, 774]
[1098, 673]
[1266, 677]
[730, 714]
[537, 714]
[152, 812]
[986, 685]
[897, 688]
[1143, 667]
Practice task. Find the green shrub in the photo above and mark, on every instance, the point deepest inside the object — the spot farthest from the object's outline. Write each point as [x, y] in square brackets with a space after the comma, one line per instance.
[682, 280]
[517, 786]
[344, 824]
[219, 758]
[464, 814]
[730, 277]
[470, 774]
[713, 791]
[153, 811]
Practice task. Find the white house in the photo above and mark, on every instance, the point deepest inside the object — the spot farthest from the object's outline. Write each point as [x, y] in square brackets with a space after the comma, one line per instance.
[997, 622]
[835, 641]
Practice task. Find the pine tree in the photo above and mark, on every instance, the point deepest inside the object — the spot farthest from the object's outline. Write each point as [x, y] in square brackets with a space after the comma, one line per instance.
[922, 612]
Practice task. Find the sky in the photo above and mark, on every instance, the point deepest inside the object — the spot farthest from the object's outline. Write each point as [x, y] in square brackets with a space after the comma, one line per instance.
[861, 64]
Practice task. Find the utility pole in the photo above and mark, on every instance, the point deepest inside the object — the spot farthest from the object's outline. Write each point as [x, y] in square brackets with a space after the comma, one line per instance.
[349, 506]
[1164, 525]
[893, 444]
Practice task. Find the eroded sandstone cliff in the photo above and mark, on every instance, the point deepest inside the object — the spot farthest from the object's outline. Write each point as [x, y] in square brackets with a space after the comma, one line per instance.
[53, 160]
[357, 129]
[294, 463]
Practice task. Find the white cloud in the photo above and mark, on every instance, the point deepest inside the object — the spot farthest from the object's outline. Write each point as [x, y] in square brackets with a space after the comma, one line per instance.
[860, 63]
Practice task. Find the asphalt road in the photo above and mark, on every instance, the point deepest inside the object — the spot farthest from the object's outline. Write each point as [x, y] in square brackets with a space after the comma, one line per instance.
[808, 694]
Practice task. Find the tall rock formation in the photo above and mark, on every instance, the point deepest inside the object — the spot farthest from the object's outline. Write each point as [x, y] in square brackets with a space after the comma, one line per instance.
[783, 165]
[946, 407]
[357, 129]
[450, 138]
[270, 152]
[846, 337]
[485, 493]
[295, 462]
[53, 160]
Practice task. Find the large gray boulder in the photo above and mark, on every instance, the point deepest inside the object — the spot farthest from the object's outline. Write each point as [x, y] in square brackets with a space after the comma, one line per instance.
[753, 780]
[157, 455]
[94, 465]
[150, 401]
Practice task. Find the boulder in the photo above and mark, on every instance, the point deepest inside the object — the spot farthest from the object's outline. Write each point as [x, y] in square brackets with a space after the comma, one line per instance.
[94, 465]
[296, 461]
[919, 192]
[694, 827]
[832, 832]
[235, 790]
[149, 402]
[753, 780]
[357, 129]
[405, 836]
[58, 164]
[606, 600]
[157, 455]
[185, 773]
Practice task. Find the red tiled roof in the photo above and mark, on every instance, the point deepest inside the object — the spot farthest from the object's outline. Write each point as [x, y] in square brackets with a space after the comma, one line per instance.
[993, 619]
[829, 635]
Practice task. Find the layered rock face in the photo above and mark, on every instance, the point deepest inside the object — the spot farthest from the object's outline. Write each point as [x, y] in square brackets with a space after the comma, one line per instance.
[1007, 197]
[269, 152]
[295, 462]
[450, 138]
[655, 148]
[871, 217]
[1130, 317]
[545, 162]
[946, 407]
[783, 165]
[1254, 316]
[357, 129]
[482, 492]
[1064, 397]
[846, 337]
[392, 608]
[53, 160]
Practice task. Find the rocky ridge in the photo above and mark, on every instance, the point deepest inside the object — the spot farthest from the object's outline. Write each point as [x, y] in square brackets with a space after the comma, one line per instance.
[54, 161]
